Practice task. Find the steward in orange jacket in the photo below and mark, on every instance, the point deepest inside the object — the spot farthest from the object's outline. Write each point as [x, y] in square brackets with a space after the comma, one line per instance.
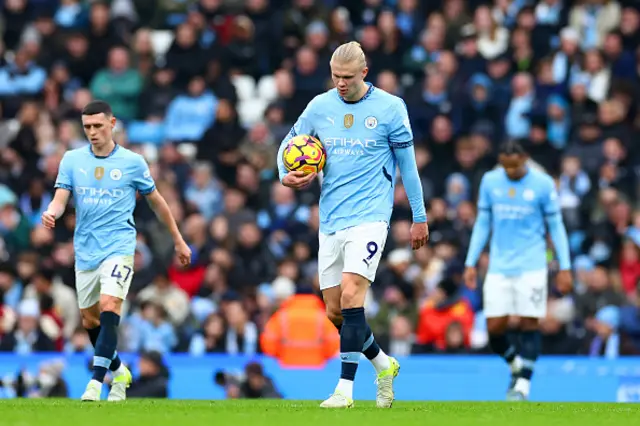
[439, 312]
[299, 334]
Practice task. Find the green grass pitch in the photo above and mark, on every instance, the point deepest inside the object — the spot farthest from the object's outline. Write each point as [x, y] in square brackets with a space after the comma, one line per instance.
[41, 412]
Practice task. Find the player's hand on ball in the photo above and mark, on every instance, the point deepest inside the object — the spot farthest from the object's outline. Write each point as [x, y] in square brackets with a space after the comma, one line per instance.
[564, 282]
[184, 253]
[48, 220]
[471, 278]
[298, 180]
[419, 235]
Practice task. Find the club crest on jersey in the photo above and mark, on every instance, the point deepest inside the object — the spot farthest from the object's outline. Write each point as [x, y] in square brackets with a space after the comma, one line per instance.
[512, 192]
[115, 174]
[98, 173]
[528, 195]
[348, 120]
[371, 122]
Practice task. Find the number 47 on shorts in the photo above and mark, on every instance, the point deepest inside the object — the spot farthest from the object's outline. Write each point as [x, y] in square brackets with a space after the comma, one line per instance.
[117, 273]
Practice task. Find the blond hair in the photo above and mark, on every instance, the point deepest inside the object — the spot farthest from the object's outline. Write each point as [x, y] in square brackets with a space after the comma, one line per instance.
[348, 53]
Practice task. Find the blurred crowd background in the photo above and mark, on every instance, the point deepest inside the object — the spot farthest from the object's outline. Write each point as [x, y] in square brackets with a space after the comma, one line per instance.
[206, 90]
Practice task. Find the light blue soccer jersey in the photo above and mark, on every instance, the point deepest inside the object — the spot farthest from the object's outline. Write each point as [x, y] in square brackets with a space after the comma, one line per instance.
[517, 213]
[104, 189]
[364, 141]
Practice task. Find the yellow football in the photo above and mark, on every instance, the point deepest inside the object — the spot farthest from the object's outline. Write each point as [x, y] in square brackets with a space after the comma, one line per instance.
[304, 153]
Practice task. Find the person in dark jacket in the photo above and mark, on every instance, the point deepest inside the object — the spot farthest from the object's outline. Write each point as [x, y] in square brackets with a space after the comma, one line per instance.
[153, 381]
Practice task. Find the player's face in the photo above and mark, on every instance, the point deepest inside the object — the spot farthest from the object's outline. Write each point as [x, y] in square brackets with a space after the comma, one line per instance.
[98, 128]
[348, 79]
[514, 165]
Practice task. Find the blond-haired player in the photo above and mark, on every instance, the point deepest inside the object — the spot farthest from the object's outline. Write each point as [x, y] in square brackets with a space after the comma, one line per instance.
[367, 134]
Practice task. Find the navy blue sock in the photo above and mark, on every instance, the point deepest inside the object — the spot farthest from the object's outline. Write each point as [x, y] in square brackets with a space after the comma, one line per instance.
[531, 345]
[93, 336]
[500, 345]
[106, 344]
[352, 338]
[370, 348]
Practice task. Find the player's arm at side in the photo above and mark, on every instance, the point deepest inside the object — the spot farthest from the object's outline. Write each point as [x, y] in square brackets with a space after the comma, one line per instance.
[303, 126]
[146, 186]
[401, 142]
[480, 234]
[555, 225]
[64, 186]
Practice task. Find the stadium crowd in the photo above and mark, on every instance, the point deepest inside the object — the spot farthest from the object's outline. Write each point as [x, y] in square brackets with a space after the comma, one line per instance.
[207, 89]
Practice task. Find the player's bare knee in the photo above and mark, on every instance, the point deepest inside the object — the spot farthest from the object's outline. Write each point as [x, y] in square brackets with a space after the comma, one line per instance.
[110, 304]
[334, 314]
[89, 321]
[497, 325]
[331, 297]
[354, 290]
[529, 324]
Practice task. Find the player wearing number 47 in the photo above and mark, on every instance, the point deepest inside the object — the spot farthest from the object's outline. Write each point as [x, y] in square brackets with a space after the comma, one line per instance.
[366, 134]
[104, 179]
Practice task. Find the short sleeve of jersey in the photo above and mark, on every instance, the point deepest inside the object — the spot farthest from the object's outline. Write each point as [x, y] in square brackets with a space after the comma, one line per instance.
[142, 179]
[550, 204]
[400, 133]
[484, 199]
[64, 174]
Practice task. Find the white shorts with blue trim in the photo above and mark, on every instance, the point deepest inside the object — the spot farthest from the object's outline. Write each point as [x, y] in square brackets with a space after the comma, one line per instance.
[354, 250]
[113, 278]
[523, 295]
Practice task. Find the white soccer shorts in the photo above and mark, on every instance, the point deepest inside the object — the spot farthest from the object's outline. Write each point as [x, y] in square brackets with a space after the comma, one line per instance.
[355, 250]
[113, 278]
[522, 295]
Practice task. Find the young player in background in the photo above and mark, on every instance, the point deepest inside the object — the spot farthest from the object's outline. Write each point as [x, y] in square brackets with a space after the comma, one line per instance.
[514, 204]
[104, 179]
[366, 133]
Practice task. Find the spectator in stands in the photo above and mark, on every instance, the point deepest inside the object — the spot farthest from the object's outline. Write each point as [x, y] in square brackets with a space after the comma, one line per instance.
[442, 309]
[173, 300]
[299, 333]
[27, 337]
[44, 283]
[189, 115]
[153, 380]
[119, 85]
[149, 330]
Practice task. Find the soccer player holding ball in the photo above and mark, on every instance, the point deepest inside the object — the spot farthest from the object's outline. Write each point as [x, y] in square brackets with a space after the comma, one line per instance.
[517, 204]
[365, 133]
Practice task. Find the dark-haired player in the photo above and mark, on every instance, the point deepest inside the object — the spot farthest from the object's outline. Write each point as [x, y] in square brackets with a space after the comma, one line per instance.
[517, 205]
[104, 179]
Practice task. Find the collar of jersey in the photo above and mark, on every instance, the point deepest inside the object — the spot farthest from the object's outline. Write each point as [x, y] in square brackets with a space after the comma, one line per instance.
[113, 151]
[366, 95]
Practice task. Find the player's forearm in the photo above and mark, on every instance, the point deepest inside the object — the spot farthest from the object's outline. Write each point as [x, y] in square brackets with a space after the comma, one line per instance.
[56, 208]
[59, 202]
[411, 181]
[560, 241]
[162, 210]
[479, 237]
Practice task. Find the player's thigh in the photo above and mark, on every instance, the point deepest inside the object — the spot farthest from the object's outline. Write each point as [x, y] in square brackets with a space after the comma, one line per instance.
[497, 296]
[116, 274]
[363, 249]
[88, 289]
[330, 260]
[531, 294]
